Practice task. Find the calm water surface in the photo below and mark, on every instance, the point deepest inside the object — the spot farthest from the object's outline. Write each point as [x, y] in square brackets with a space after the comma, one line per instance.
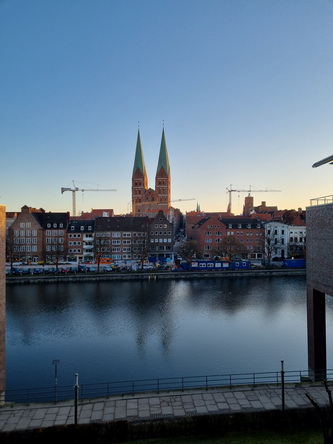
[113, 331]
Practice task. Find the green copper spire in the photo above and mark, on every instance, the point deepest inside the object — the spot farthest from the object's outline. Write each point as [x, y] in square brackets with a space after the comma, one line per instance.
[163, 160]
[139, 161]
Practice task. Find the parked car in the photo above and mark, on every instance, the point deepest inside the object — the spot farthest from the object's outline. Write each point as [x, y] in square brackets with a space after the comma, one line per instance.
[36, 271]
[107, 268]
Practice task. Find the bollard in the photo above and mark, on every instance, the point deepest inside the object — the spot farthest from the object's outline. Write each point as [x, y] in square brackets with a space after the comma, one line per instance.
[76, 389]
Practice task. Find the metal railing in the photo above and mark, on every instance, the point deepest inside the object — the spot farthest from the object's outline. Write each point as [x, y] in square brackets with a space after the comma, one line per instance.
[132, 387]
[322, 200]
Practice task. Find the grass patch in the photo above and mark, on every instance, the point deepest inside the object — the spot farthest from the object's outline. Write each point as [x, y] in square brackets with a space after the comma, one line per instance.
[250, 437]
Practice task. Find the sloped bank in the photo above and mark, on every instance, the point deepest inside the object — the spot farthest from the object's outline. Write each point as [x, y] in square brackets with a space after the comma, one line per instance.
[152, 276]
[204, 426]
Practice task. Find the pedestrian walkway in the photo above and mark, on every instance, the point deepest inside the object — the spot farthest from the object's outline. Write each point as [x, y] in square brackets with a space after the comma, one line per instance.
[152, 406]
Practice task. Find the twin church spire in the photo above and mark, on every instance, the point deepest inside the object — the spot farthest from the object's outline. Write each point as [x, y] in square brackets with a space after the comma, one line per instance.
[146, 199]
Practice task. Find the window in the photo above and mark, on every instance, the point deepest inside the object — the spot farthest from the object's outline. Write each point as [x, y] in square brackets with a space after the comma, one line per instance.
[22, 225]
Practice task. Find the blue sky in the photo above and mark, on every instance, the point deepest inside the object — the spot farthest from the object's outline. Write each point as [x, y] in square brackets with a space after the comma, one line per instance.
[244, 88]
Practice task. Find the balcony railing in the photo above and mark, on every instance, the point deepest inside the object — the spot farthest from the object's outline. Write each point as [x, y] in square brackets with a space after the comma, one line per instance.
[322, 200]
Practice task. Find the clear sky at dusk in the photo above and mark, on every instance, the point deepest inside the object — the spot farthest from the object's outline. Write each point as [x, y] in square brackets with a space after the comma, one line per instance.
[244, 88]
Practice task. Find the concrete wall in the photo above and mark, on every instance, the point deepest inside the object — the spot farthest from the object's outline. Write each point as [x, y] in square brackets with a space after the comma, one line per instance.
[319, 248]
[2, 302]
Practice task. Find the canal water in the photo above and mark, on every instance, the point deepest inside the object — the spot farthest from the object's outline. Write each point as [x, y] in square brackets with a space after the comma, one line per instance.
[118, 330]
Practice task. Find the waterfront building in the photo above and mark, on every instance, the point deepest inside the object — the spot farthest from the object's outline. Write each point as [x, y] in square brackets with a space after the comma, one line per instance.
[37, 236]
[121, 238]
[161, 238]
[80, 240]
[210, 231]
[2, 303]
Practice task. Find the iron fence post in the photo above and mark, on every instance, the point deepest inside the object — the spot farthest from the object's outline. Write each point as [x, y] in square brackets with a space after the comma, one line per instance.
[76, 387]
[282, 385]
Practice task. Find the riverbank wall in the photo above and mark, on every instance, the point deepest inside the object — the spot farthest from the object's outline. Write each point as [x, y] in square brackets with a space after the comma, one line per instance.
[151, 276]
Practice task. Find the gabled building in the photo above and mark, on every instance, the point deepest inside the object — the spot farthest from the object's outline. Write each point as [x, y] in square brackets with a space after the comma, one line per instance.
[37, 236]
[161, 238]
[80, 240]
[210, 231]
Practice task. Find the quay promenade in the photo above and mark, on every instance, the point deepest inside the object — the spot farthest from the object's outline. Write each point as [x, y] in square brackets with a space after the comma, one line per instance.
[165, 405]
[153, 275]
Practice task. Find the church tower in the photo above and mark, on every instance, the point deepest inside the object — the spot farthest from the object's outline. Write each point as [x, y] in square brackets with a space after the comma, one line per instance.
[144, 199]
[139, 178]
[163, 177]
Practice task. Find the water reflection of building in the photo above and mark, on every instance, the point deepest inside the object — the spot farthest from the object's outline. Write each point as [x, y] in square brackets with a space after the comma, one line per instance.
[2, 302]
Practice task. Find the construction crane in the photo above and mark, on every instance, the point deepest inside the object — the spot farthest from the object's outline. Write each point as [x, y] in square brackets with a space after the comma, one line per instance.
[231, 190]
[75, 189]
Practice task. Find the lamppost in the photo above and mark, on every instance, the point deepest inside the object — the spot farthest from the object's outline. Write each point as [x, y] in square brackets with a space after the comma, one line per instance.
[56, 362]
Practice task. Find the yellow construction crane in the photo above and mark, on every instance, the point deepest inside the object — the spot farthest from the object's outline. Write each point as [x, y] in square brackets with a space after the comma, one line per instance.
[75, 189]
[231, 190]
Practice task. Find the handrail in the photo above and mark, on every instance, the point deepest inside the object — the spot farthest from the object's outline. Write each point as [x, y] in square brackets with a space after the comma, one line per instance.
[322, 200]
[131, 387]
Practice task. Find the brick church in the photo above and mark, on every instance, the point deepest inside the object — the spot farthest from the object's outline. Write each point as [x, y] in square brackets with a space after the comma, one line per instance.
[145, 199]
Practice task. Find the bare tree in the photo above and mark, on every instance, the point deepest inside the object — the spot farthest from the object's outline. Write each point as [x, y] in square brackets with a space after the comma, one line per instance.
[101, 247]
[188, 250]
[142, 247]
[230, 247]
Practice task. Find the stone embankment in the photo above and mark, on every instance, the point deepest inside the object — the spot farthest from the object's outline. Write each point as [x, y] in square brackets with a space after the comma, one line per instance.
[152, 276]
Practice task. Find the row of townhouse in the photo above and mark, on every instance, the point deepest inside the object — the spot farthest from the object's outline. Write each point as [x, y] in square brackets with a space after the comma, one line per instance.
[284, 240]
[34, 236]
[257, 238]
